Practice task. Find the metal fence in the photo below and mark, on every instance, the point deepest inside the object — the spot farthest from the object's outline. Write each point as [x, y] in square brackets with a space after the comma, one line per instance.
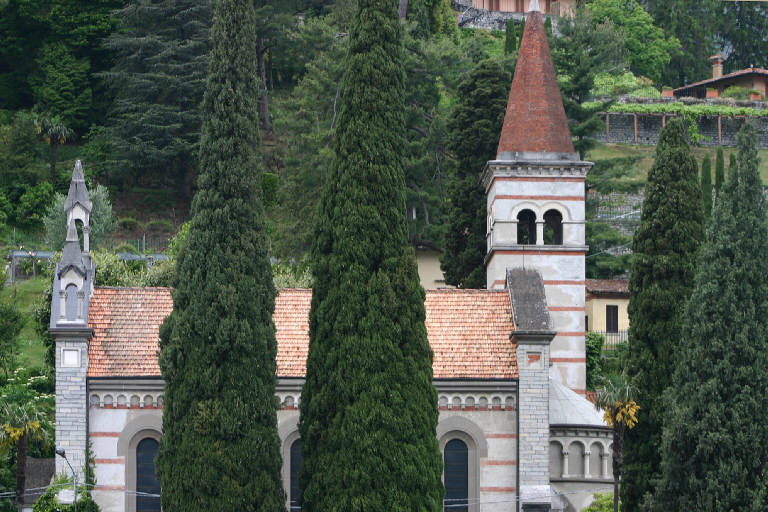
[612, 339]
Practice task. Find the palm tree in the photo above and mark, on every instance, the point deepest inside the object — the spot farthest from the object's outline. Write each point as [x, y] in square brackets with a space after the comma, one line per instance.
[616, 398]
[55, 132]
[19, 424]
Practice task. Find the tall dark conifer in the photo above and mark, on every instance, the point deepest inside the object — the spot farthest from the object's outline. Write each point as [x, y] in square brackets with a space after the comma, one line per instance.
[719, 171]
[220, 449]
[475, 126]
[369, 410]
[706, 185]
[715, 408]
[664, 245]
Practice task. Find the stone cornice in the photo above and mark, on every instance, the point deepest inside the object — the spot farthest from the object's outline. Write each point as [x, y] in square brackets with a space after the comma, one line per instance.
[534, 168]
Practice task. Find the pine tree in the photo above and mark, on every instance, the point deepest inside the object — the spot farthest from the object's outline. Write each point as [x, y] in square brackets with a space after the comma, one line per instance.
[664, 247]
[158, 81]
[715, 408]
[474, 126]
[706, 185]
[369, 410]
[220, 449]
[719, 171]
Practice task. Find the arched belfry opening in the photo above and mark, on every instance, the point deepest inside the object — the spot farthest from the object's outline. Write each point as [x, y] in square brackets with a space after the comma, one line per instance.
[526, 227]
[553, 228]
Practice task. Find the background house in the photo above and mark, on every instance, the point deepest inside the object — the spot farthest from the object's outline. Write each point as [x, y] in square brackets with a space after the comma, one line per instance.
[606, 311]
[749, 78]
[556, 7]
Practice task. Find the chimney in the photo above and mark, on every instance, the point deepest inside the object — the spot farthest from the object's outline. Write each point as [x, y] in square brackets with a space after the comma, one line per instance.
[717, 65]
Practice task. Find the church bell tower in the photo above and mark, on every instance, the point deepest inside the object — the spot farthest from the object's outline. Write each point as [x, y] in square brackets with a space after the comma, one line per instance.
[535, 191]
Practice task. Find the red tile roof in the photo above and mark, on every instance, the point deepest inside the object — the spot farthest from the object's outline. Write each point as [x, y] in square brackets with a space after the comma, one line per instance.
[612, 286]
[535, 120]
[467, 329]
[735, 74]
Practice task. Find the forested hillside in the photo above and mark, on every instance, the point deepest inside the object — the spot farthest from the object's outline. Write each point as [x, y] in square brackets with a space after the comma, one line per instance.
[119, 83]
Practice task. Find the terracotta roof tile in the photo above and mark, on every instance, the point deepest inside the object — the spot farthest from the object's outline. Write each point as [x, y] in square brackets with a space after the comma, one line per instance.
[467, 329]
[535, 120]
[613, 286]
[735, 74]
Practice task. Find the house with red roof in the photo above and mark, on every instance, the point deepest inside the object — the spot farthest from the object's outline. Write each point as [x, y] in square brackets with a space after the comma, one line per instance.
[752, 79]
[509, 360]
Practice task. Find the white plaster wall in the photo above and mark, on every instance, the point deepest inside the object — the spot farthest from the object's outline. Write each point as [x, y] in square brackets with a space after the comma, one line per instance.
[105, 425]
[580, 495]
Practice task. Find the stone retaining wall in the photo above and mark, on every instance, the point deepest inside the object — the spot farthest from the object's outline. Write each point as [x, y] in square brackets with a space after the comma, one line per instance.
[644, 129]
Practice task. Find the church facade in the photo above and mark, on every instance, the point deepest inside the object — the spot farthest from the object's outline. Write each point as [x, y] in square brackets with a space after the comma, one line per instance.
[509, 361]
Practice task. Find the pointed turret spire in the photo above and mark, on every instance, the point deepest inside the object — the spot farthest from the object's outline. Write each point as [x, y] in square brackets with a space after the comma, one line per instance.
[78, 192]
[535, 124]
[71, 256]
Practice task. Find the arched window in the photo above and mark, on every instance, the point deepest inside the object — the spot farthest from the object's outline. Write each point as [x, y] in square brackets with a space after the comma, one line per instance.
[553, 228]
[456, 460]
[295, 490]
[526, 228]
[596, 460]
[71, 302]
[576, 459]
[147, 483]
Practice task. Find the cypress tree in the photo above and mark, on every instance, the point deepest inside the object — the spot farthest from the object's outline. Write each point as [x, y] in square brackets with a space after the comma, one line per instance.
[664, 247]
[221, 450]
[719, 171]
[706, 185]
[474, 126]
[715, 409]
[510, 37]
[369, 409]
[732, 164]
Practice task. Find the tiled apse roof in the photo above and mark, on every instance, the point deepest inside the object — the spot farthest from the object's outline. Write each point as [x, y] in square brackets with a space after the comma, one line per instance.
[467, 329]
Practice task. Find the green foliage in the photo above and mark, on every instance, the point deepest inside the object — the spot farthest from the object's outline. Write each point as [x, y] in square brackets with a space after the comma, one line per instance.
[613, 84]
[735, 92]
[647, 48]
[510, 37]
[102, 222]
[602, 503]
[719, 171]
[33, 205]
[719, 390]
[706, 186]
[157, 81]
[60, 87]
[587, 46]
[220, 449]
[594, 345]
[474, 127]
[11, 324]
[664, 247]
[695, 110]
[49, 503]
[367, 304]
[739, 26]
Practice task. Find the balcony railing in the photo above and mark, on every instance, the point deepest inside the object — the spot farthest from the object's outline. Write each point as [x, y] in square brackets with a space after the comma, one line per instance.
[613, 338]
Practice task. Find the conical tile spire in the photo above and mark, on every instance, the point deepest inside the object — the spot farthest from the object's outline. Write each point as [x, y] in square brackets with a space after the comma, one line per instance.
[535, 123]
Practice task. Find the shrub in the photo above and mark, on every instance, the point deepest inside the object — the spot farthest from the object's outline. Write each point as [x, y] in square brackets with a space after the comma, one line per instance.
[33, 205]
[602, 503]
[595, 342]
[126, 248]
[735, 92]
[127, 223]
[163, 225]
[49, 503]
